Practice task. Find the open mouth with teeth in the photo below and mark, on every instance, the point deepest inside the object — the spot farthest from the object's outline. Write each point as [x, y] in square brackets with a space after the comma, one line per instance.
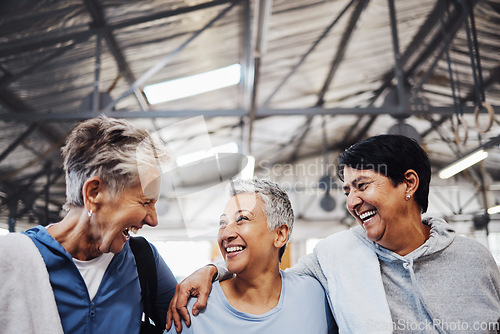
[234, 249]
[126, 231]
[367, 216]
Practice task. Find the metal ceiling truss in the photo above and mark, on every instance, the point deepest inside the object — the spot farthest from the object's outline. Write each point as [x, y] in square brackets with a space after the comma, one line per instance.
[99, 22]
[339, 55]
[18, 192]
[404, 71]
[137, 84]
[99, 28]
[368, 111]
[35, 43]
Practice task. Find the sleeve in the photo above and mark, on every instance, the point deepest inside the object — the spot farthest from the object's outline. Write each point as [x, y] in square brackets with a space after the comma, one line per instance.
[166, 286]
[222, 272]
[309, 265]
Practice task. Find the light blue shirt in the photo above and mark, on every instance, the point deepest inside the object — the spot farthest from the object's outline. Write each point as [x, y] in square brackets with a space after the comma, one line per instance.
[302, 308]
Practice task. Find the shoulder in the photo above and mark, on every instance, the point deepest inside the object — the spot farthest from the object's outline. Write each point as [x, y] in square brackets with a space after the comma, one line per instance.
[341, 242]
[306, 285]
[17, 245]
[36, 231]
[470, 247]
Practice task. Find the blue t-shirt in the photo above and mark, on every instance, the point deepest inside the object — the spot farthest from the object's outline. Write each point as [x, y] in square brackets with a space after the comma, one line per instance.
[116, 308]
[302, 308]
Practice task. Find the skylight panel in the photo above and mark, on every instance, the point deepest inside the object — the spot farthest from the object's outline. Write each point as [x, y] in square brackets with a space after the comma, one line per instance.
[193, 85]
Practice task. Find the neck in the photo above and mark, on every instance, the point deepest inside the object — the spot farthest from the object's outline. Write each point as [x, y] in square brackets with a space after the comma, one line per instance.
[411, 235]
[255, 295]
[74, 234]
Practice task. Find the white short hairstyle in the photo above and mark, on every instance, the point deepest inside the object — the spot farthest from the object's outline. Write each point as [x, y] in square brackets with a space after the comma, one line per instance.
[112, 149]
[277, 206]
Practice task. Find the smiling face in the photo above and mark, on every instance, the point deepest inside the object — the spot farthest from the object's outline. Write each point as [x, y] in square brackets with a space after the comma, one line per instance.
[376, 203]
[244, 238]
[126, 212]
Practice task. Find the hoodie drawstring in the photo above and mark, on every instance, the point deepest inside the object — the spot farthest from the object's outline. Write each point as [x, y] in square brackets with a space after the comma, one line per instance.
[408, 265]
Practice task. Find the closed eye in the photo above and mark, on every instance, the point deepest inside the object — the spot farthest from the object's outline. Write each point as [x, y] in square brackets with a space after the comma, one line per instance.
[240, 219]
[363, 186]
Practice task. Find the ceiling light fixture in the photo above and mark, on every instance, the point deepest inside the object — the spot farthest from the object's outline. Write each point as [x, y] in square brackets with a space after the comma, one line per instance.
[464, 163]
[193, 85]
[188, 158]
[477, 155]
[494, 209]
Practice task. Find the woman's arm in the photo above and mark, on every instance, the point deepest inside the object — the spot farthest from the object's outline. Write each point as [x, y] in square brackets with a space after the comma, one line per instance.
[308, 265]
[198, 284]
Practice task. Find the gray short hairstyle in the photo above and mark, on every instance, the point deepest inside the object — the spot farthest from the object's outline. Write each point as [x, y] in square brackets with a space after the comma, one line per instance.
[112, 149]
[277, 206]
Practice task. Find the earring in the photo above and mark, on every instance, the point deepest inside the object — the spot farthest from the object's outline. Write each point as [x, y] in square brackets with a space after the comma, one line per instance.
[408, 196]
[90, 213]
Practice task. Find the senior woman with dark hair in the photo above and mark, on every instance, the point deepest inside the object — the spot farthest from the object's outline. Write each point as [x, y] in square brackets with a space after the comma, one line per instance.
[112, 185]
[396, 272]
[258, 297]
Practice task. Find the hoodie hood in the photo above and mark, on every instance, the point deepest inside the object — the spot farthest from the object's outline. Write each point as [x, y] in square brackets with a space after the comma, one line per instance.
[441, 236]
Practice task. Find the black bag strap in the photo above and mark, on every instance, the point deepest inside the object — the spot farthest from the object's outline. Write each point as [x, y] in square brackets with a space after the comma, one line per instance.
[146, 268]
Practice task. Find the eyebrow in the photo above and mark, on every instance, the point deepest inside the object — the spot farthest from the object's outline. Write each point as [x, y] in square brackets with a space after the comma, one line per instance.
[356, 181]
[237, 213]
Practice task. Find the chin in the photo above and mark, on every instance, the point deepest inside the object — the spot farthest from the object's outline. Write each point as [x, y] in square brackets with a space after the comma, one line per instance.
[234, 269]
[115, 249]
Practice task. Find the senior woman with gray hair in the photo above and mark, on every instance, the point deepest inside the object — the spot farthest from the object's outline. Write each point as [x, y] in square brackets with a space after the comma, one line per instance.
[260, 298]
[112, 185]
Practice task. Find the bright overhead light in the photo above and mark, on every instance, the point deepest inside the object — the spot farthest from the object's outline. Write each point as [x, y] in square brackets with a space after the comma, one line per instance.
[463, 163]
[193, 85]
[494, 209]
[200, 155]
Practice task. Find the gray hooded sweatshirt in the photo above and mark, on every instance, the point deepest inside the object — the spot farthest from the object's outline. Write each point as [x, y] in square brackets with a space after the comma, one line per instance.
[450, 284]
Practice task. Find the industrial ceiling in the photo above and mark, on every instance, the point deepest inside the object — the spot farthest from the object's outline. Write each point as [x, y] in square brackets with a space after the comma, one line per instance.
[316, 77]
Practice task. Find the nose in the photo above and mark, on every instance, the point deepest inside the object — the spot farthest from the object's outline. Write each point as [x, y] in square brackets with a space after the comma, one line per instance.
[228, 232]
[353, 201]
[151, 217]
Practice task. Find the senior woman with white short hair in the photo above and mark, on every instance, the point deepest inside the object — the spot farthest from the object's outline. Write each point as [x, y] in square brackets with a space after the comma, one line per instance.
[112, 185]
[254, 231]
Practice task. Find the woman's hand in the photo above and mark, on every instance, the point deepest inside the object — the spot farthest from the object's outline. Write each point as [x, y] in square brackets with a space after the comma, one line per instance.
[198, 284]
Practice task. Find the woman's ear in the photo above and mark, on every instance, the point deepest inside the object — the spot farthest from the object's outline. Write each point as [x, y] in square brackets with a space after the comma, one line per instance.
[281, 236]
[90, 191]
[412, 181]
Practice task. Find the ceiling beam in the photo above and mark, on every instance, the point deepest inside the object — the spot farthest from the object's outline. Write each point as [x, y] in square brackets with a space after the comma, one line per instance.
[74, 116]
[99, 21]
[493, 77]
[455, 21]
[309, 51]
[35, 43]
[165, 60]
[341, 49]
[18, 141]
[21, 110]
[337, 59]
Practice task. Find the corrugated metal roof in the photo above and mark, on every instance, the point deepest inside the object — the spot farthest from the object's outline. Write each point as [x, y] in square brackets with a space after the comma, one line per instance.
[319, 57]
